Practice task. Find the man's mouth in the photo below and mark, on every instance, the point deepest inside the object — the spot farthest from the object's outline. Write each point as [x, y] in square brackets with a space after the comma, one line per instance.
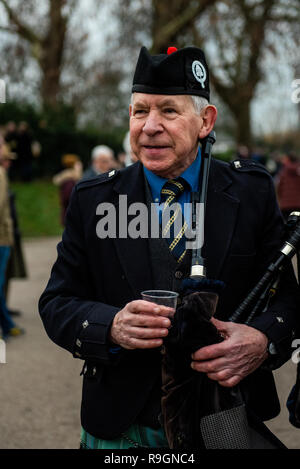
[151, 147]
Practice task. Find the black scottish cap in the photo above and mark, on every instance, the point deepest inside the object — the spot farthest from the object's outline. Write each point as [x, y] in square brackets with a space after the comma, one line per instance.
[182, 72]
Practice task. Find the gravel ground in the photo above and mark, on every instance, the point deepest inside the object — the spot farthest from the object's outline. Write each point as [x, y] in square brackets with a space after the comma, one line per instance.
[40, 384]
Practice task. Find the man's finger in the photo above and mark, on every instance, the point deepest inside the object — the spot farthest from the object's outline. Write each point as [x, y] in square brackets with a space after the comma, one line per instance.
[145, 320]
[134, 343]
[229, 383]
[211, 366]
[142, 306]
[211, 351]
[222, 326]
[147, 333]
[223, 375]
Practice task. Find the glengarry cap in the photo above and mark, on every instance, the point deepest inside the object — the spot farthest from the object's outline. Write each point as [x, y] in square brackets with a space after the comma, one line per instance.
[182, 71]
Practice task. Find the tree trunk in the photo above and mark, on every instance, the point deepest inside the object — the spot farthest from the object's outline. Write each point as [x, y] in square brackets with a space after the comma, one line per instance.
[171, 19]
[52, 47]
[242, 116]
[163, 14]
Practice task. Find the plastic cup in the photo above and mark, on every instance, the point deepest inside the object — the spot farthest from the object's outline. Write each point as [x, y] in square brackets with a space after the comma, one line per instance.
[161, 297]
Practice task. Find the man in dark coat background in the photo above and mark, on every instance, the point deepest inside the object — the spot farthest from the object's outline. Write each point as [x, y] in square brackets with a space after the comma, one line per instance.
[92, 306]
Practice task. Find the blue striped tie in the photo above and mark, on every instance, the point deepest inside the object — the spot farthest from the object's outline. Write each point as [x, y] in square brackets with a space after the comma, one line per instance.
[170, 193]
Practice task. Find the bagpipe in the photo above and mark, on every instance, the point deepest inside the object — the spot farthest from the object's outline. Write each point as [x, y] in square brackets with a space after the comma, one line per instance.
[197, 412]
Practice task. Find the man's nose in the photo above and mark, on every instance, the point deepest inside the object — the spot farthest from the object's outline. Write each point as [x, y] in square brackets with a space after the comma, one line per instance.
[153, 124]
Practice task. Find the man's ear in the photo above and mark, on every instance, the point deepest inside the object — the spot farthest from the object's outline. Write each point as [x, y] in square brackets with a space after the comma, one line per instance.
[130, 110]
[209, 117]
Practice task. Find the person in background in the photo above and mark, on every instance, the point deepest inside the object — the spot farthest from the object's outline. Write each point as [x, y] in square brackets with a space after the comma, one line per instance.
[288, 185]
[243, 152]
[9, 328]
[258, 154]
[11, 138]
[130, 156]
[67, 179]
[24, 151]
[274, 164]
[121, 160]
[102, 161]
[16, 267]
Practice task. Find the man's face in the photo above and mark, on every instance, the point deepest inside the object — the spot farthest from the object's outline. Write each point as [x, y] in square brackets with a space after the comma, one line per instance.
[164, 132]
[103, 163]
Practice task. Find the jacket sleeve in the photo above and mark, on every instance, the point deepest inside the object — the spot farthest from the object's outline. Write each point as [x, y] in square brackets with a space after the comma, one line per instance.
[71, 319]
[280, 319]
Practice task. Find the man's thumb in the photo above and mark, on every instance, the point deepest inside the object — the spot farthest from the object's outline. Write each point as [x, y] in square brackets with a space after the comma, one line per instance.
[220, 325]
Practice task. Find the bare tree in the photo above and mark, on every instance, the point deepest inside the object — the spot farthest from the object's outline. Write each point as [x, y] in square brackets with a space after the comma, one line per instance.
[240, 34]
[235, 34]
[44, 33]
[46, 48]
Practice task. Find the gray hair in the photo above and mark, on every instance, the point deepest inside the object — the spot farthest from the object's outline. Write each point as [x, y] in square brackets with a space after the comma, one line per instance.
[101, 150]
[199, 102]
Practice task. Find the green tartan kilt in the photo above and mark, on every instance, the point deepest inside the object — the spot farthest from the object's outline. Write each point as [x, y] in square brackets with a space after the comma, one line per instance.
[135, 437]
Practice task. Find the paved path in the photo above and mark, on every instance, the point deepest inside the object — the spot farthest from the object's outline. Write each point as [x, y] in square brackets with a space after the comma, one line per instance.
[40, 384]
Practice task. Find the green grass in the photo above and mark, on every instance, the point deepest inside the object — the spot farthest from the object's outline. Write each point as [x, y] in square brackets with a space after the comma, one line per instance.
[38, 208]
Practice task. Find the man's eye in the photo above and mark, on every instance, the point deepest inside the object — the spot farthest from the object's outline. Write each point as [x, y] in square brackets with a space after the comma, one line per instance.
[169, 110]
[139, 111]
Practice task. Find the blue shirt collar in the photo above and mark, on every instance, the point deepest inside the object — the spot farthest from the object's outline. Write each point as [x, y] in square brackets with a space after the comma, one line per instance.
[191, 175]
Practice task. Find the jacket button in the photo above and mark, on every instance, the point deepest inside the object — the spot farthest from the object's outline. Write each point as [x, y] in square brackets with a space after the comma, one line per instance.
[178, 274]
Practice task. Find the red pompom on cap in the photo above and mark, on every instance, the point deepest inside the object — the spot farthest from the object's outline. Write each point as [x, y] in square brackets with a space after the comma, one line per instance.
[171, 50]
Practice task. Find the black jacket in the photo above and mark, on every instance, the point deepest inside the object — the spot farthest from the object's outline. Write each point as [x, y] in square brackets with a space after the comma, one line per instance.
[92, 279]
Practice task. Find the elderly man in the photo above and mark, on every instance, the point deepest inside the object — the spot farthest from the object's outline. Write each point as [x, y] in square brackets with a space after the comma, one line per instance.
[102, 161]
[92, 306]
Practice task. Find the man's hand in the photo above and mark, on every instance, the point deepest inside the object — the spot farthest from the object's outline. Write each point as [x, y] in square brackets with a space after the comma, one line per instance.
[140, 325]
[243, 350]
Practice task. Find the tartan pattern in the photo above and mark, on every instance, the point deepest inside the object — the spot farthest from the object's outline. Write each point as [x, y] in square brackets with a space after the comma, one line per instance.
[170, 193]
[137, 436]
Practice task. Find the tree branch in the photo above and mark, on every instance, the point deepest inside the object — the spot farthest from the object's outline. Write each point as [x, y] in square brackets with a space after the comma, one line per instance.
[176, 25]
[284, 19]
[21, 29]
[7, 29]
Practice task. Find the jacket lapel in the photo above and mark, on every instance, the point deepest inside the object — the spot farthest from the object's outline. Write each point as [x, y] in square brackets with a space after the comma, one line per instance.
[220, 220]
[133, 253]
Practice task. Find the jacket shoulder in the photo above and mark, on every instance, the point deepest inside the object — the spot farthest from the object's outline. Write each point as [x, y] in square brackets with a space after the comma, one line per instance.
[248, 166]
[98, 180]
[243, 174]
